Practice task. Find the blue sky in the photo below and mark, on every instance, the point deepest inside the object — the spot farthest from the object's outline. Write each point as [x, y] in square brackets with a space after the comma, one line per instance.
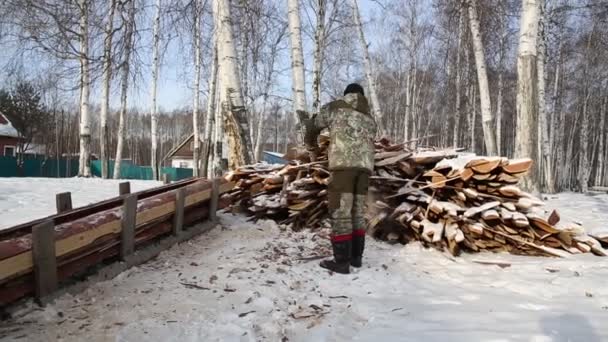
[175, 86]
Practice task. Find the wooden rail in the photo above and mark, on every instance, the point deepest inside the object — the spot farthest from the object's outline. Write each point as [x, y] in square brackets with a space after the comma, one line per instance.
[41, 256]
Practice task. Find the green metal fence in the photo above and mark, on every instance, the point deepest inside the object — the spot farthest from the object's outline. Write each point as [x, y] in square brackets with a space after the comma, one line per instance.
[38, 166]
[130, 171]
[53, 168]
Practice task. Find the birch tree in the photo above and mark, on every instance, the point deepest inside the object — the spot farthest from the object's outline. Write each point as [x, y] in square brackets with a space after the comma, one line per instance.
[235, 113]
[527, 92]
[84, 166]
[297, 63]
[484, 91]
[211, 112]
[107, 80]
[543, 124]
[371, 83]
[196, 89]
[153, 106]
[318, 54]
[125, 66]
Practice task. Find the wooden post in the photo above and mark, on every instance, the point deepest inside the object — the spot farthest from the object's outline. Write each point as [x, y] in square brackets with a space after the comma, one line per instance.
[166, 178]
[129, 214]
[178, 217]
[64, 202]
[124, 188]
[44, 260]
[215, 197]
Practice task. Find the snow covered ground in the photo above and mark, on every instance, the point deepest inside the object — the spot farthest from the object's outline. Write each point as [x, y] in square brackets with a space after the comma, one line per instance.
[257, 282]
[26, 199]
[589, 209]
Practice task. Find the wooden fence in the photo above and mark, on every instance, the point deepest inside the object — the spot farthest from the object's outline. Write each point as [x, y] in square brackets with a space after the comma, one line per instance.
[42, 256]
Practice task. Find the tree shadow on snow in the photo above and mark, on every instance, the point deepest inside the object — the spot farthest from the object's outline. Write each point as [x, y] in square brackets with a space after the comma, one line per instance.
[568, 328]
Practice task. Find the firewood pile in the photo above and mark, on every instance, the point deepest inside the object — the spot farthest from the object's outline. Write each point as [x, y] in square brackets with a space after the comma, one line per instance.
[445, 199]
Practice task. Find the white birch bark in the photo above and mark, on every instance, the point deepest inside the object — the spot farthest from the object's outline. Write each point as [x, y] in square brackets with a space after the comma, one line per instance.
[527, 93]
[211, 112]
[583, 171]
[196, 89]
[297, 64]
[482, 77]
[600, 144]
[406, 118]
[129, 27]
[371, 82]
[543, 127]
[458, 109]
[154, 108]
[105, 89]
[318, 55]
[556, 133]
[84, 166]
[235, 119]
[473, 115]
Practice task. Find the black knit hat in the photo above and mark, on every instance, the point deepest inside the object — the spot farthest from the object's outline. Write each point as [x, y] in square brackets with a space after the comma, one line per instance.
[354, 88]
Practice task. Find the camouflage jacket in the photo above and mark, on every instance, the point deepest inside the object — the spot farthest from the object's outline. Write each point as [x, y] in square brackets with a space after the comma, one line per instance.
[351, 130]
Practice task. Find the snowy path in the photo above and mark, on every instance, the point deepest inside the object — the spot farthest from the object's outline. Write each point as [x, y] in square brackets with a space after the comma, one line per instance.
[26, 199]
[254, 286]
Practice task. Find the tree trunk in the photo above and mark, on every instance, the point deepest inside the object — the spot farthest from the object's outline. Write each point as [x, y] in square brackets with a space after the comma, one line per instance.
[457, 109]
[543, 124]
[371, 83]
[107, 79]
[527, 93]
[473, 115]
[584, 172]
[555, 124]
[84, 166]
[196, 90]
[130, 26]
[211, 111]
[235, 119]
[318, 55]
[154, 108]
[482, 77]
[297, 65]
[599, 169]
[406, 117]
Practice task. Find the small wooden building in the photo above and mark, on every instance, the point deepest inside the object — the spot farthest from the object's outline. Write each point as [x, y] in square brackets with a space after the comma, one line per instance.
[9, 137]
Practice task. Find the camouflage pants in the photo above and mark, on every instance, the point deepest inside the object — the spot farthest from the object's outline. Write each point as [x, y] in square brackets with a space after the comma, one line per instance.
[347, 195]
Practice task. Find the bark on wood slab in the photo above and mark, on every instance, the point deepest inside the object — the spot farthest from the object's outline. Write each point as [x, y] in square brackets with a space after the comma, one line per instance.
[443, 199]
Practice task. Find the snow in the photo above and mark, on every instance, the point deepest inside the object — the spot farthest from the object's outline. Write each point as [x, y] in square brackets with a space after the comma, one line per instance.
[245, 281]
[7, 129]
[591, 210]
[26, 199]
[255, 283]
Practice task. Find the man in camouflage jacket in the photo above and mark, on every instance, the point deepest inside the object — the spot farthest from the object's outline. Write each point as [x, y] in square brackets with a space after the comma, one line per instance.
[351, 161]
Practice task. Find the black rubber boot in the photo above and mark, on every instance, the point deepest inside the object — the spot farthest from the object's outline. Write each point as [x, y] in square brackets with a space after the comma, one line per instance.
[341, 262]
[357, 250]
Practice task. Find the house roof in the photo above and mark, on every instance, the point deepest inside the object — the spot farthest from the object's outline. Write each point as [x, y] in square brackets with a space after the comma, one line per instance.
[6, 128]
[173, 151]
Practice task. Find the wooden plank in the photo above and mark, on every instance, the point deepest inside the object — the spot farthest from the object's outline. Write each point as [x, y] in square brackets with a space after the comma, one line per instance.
[127, 232]
[45, 262]
[215, 197]
[124, 188]
[178, 217]
[63, 202]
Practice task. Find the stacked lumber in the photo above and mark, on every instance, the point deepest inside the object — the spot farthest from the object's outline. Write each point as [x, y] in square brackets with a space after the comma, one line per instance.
[445, 199]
